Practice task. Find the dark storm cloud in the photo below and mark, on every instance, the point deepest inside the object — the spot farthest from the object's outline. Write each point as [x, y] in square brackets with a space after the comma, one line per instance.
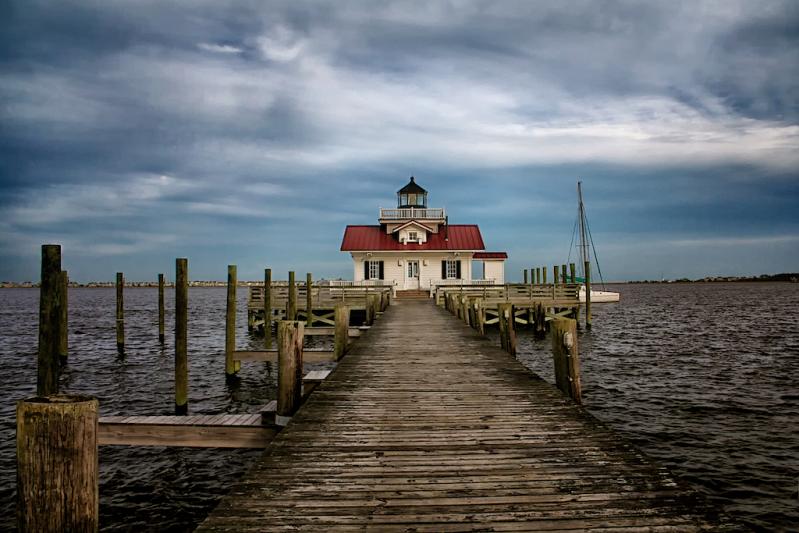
[136, 128]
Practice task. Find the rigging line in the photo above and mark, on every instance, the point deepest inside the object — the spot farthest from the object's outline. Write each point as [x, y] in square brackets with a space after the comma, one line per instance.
[596, 258]
[574, 230]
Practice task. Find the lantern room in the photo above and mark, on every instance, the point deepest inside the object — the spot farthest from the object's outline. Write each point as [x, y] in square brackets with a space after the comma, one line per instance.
[412, 195]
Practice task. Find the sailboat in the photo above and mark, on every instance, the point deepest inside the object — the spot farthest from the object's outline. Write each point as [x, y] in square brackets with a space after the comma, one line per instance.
[585, 254]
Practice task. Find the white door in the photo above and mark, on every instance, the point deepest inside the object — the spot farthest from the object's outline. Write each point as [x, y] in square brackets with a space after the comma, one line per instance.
[412, 274]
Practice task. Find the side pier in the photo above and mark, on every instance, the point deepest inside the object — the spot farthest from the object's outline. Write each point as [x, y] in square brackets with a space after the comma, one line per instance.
[427, 426]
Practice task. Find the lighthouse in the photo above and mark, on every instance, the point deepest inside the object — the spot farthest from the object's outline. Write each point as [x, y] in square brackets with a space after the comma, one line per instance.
[413, 247]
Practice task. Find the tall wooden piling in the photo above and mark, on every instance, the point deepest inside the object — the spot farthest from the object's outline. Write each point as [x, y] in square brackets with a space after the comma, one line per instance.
[289, 355]
[291, 305]
[161, 309]
[555, 275]
[120, 285]
[63, 323]
[544, 275]
[566, 357]
[342, 320]
[563, 276]
[181, 336]
[539, 320]
[57, 464]
[507, 331]
[268, 308]
[587, 295]
[573, 272]
[309, 299]
[231, 365]
[525, 276]
[538, 275]
[48, 364]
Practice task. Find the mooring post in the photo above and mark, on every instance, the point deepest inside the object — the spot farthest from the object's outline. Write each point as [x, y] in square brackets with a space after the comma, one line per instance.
[540, 320]
[268, 308]
[544, 275]
[308, 299]
[369, 311]
[289, 378]
[181, 336]
[464, 303]
[525, 276]
[573, 272]
[57, 464]
[161, 309]
[566, 357]
[587, 295]
[563, 275]
[342, 319]
[120, 285]
[507, 331]
[291, 305]
[479, 312]
[63, 324]
[231, 365]
[48, 364]
[555, 275]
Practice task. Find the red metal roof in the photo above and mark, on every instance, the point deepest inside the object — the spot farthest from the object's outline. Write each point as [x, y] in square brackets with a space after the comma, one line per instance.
[490, 255]
[374, 238]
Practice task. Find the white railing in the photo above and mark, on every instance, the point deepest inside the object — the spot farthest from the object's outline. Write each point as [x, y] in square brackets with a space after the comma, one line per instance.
[457, 282]
[412, 212]
[362, 283]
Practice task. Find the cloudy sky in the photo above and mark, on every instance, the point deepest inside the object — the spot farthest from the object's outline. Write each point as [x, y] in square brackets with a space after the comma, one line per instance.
[253, 132]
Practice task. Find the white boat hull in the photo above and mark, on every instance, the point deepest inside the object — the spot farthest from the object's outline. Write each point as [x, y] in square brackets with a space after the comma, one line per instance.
[599, 296]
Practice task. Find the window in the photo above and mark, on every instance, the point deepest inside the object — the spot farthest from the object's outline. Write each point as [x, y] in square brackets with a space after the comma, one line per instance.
[374, 270]
[413, 236]
[451, 269]
[411, 199]
[403, 199]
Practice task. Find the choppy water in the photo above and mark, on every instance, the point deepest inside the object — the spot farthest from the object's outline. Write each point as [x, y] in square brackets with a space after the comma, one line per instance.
[701, 377]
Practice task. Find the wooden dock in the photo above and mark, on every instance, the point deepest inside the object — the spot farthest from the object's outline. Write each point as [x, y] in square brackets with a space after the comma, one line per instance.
[427, 426]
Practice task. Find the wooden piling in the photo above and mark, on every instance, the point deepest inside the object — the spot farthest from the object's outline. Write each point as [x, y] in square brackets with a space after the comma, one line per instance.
[573, 272]
[537, 275]
[544, 275]
[464, 303]
[587, 295]
[342, 319]
[231, 365]
[540, 320]
[120, 285]
[181, 336]
[555, 275]
[507, 332]
[566, 357]
[268, 308]
[48, 364]
[63, 324]
[161, 309]
[525, 276]
[563, 276]
[309, 299]
[479, 312]
[291, 305]
[289, 380]
[369, 312]
[57, 464]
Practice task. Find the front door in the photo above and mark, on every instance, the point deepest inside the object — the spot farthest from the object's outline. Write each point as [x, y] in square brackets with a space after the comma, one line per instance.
[412, 274]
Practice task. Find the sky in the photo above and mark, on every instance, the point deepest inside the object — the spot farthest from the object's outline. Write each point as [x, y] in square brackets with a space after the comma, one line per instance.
[252, 133]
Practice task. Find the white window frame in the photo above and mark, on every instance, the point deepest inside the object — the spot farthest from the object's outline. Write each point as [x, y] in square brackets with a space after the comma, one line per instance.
[413, 236]
[452, 269]
[374, 269]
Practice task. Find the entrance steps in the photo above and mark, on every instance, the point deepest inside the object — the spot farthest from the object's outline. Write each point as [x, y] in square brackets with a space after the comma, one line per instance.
[413, 295]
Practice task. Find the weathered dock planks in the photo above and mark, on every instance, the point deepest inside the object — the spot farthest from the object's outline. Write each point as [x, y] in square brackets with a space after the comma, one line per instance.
[427, 426]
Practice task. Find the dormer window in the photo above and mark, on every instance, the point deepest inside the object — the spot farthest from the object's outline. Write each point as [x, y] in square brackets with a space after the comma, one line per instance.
[413, 236]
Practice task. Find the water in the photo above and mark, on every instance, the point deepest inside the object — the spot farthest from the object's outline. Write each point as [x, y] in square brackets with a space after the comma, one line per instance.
[701, 377]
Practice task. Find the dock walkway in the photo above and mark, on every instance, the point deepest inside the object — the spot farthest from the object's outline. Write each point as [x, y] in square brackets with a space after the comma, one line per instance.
[427, 426]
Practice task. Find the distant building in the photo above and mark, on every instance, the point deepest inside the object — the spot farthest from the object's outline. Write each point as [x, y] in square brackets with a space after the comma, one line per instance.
[414, 247]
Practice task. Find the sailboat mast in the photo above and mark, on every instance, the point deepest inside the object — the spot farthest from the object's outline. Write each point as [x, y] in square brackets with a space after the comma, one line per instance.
[584, 249]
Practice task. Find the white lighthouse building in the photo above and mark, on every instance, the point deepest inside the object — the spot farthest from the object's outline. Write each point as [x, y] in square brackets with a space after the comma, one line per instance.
[413, 247]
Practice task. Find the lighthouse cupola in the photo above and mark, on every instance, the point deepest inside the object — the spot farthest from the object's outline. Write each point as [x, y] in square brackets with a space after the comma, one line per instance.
[412, 195]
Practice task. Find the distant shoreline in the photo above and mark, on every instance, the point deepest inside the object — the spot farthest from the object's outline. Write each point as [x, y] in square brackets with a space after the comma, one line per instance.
[782, 278]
